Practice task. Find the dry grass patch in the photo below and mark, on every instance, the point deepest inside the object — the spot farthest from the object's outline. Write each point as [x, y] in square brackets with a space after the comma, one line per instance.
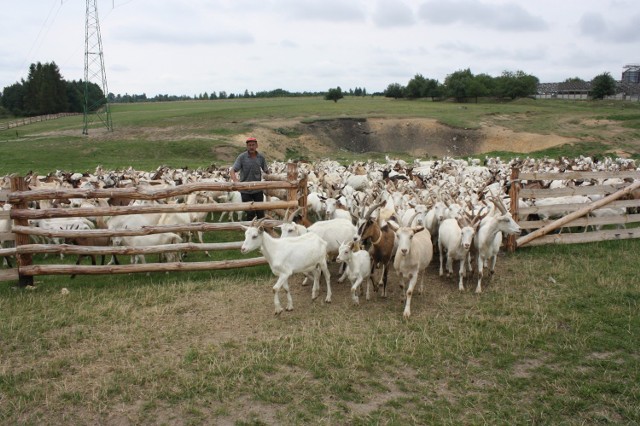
[169, 349]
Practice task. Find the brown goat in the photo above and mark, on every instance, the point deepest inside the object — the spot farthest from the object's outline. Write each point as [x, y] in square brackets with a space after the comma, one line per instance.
[382, 245]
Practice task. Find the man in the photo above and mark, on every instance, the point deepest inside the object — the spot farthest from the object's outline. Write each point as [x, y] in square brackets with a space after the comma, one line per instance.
[250, 164]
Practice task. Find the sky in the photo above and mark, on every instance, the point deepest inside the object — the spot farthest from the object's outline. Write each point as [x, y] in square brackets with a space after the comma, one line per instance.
[191, 47]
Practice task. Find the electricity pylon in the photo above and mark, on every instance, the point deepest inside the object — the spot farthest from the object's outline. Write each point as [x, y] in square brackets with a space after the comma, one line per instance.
[94, 72]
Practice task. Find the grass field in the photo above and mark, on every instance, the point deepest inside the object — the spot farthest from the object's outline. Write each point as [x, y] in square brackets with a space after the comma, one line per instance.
[182, 134]
[553, 339]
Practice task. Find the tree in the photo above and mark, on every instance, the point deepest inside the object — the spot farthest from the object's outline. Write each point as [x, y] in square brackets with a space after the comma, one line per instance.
[458, 84]
[75, 96]
[603, 85]
[416, 87]
[394, 90]
[516, 85]
[13, 98]
[334, 94]
[433, 89]
[476, 89]
[45, 90]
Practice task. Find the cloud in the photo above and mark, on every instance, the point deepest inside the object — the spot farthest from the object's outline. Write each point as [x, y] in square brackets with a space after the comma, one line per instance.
[621, 31]
[322, 10]
[506, 17]
[391, 13]
[168, 36]
[592, 24]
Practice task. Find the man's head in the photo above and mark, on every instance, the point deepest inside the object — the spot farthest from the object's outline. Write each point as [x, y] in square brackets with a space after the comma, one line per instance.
[252, 144]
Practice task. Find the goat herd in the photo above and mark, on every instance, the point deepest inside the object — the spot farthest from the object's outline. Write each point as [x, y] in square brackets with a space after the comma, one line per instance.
[368, 216]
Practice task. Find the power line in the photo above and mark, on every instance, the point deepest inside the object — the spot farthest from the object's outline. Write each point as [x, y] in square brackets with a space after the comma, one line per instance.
[46, 26]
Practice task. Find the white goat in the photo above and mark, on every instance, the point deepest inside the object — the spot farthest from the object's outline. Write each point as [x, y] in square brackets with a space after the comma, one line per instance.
[332, 231]
[149, 240]
[231, 197]
[5, 227]
[415, 251]
[63, 224]
[454, 242]
[306, 253]
[415, 214]
[358, 268]
[336, 209]
[489, 238]
[315, 205]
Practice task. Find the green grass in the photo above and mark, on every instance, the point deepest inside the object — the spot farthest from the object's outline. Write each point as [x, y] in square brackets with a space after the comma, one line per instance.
[187, 133]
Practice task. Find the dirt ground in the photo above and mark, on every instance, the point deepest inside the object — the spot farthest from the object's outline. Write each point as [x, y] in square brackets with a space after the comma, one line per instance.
[420, 138]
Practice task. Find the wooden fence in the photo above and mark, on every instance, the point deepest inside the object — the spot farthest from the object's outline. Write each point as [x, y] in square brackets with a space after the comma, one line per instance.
[36, 119]
[24, 250]
[574, 215]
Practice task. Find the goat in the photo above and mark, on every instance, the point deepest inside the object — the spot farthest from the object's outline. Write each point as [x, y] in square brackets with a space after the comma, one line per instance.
[335, 209]
[5, 227]
[489, 237]
[92, 242]
[149, 240]
[305, 253]
[382, 249]
[315, 205]
[415, 251]
[231, 197]
[454, 242]
[358, 267]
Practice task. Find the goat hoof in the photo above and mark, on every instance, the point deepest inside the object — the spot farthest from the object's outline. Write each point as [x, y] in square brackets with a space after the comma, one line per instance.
[289, 308]
[278, 312]
[327, 300]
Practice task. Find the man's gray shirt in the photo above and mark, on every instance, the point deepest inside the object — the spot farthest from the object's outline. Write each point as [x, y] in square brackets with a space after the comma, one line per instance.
[250, 169]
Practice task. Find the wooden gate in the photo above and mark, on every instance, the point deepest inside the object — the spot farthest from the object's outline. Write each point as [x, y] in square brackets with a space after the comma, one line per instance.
[25, 249]
[614, 195]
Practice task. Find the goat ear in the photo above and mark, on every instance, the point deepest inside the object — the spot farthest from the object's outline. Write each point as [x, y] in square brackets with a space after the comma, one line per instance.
[393, 225]
[417, 229]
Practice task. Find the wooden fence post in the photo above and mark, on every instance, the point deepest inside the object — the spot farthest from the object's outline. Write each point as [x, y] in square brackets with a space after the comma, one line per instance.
[303, 187]
[19, 184]
[292, 175]
[514, 195]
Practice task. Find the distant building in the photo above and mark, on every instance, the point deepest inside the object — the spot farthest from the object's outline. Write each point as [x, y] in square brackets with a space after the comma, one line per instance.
[628, 88]
[631, 73]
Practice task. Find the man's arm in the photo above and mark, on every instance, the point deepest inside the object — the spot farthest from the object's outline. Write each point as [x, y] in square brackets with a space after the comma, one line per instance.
[234, 176]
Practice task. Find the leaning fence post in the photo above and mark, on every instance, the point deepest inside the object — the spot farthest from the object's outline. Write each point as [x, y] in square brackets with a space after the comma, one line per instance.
[514, 195]
[19, 184]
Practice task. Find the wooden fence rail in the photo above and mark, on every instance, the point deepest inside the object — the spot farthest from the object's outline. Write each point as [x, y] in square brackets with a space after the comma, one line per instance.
[574, 214]
[36, 119]
[24, 249]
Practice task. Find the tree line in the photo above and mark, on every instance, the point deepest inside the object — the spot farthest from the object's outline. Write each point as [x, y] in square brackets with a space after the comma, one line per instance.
[463, 86]
[46, 92]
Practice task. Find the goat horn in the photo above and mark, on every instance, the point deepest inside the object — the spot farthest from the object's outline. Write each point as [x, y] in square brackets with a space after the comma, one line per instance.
[499, 204]
[372, 209]
[289, 218]
[413, 218]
